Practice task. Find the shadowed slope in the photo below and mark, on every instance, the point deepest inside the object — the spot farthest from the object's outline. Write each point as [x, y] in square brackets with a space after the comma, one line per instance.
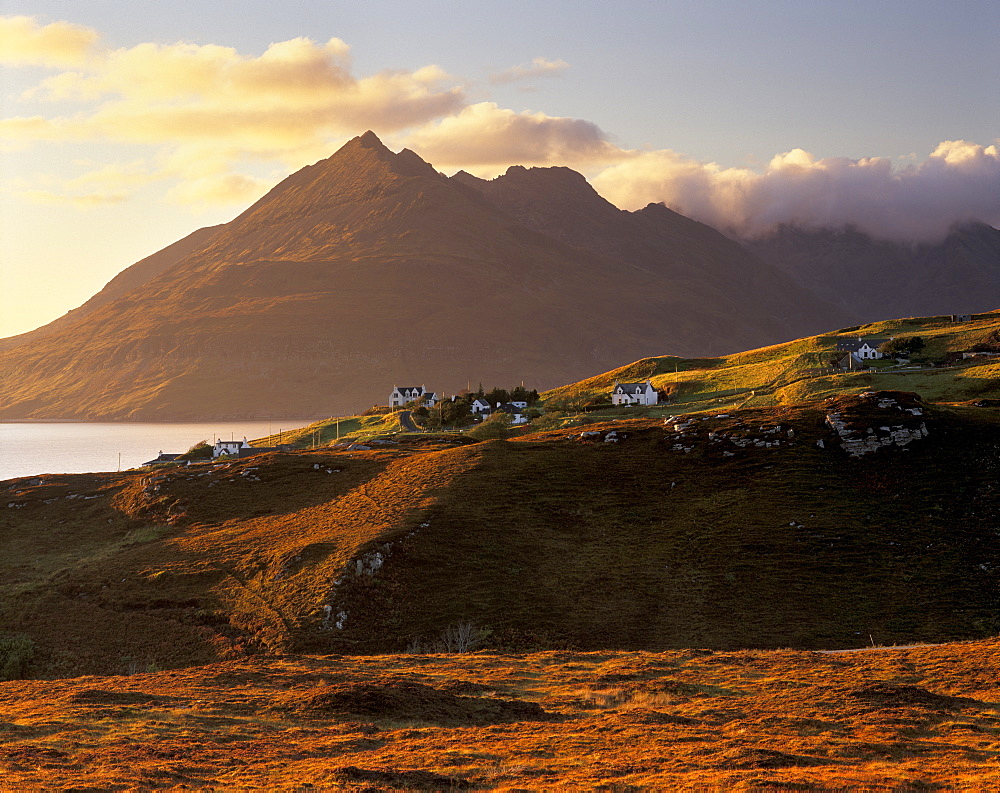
[650, 541]
[879, 279]
[702, 267]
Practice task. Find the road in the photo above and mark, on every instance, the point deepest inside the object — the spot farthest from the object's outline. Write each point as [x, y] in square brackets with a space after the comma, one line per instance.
[880, 647]
[406, 422]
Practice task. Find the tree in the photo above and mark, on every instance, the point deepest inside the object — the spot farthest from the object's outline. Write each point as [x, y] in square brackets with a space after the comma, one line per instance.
[519, 394]
[456, 413]
[901, 346]
[497, 395]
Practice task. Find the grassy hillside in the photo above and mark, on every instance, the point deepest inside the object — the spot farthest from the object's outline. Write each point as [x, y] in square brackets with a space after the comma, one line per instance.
[798, 372]
[666, 538]
[887, 719]
[336, 429]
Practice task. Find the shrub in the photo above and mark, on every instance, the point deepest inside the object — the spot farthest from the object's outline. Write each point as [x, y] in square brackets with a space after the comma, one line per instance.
[16, 652]
[901, 345]
[495, 428]
[549, 421]
[200, 451]
[462, 638]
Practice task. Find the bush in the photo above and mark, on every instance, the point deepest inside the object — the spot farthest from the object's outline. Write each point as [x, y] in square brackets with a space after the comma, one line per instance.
[200, 451]
[16, 652]
[901, 345]
[550, 421]
[495, 428]
[462, 638]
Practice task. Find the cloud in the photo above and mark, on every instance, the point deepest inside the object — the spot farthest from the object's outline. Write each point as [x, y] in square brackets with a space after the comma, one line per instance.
[108, 184]
[24, 42]
[283, 105]
[486, 138]
[85, 201]
[959, 181]
[223, 125]
[539, 67]
[223, 188]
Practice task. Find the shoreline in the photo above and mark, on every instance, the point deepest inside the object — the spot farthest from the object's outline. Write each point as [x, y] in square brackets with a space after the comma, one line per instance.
[162, 421]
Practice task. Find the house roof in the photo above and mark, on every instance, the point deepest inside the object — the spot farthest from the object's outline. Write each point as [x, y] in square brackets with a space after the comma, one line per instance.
[409, 389]
[856, 344]
[163, 458]
[632, 388]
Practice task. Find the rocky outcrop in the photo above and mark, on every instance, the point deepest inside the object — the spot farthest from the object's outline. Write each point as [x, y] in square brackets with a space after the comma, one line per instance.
[875, 420]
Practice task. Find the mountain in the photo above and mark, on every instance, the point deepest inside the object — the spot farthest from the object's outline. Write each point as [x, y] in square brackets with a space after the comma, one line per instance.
[128, 279]
[702, 266]
[370, 268]
[877, 279]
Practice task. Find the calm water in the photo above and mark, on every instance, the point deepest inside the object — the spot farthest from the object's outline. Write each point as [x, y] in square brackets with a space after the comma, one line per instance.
[69, 448]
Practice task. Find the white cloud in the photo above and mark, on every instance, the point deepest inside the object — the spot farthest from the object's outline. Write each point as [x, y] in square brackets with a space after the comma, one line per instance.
[539, 67]
[959, 181]
[25, 42]
[486, 138]
[286, 104]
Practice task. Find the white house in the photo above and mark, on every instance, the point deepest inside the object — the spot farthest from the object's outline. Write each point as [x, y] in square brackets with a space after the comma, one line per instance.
[402, 394]
[634, 394]
[516, 413]
[231, 448]
[480, 406]
[861, 349]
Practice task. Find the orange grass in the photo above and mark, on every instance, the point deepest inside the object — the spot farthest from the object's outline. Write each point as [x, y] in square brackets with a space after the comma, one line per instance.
[885, 718]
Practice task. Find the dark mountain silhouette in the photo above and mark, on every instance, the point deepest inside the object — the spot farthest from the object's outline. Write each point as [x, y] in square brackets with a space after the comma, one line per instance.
[880, 279]
[370, 268]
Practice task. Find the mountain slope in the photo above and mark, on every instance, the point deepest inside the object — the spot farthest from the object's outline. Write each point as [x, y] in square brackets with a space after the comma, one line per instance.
[879, 279]
[364, 270]
[132, 277]
[703, 266]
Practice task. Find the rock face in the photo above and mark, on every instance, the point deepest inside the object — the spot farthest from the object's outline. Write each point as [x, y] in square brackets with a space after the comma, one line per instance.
[370, 268]
[877, 279]
[875, 420]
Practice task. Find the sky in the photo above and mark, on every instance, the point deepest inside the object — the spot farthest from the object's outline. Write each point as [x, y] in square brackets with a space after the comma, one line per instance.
[125, 126]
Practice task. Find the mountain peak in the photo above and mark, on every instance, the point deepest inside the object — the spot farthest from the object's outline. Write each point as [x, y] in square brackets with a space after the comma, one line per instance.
[370, 141]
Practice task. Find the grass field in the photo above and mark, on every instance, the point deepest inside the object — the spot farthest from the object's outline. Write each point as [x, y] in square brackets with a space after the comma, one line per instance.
[798, 372]
[893, 719]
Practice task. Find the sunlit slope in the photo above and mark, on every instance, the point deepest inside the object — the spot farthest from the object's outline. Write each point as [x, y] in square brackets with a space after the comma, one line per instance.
[799, 371]
[546, 542]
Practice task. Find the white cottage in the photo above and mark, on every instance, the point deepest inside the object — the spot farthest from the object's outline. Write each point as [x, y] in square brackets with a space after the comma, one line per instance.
[516, 413]
[634, 394]
[402, 394]
[861, 349]
[229, 448]
[480, 406]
